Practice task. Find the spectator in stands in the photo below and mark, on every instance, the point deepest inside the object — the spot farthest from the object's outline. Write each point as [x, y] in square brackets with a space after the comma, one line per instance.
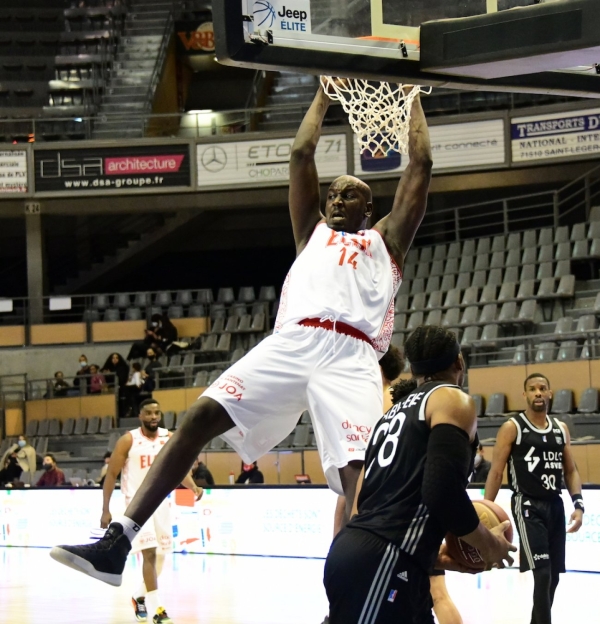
[250, 474]
[97, 380]
[25, 454]
[104, 468]
[84, 369]
[153, 362]
[61, 387]
[160, 335]
[53, 475]
[132, 389]
[116, 369]
[482, 467]
[11, 471]
[201, 474]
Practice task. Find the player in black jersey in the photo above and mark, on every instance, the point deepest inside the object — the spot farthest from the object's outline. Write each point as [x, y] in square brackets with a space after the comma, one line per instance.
[415, 474]
[537, 449]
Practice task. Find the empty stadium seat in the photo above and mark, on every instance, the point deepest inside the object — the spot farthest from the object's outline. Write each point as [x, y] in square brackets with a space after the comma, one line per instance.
[588, 403]
[93, 425]
[142, 299]
[489, 336]
[184, 298]
[43, 427]
[169, 420]
[418, 302]
[546, 352]
[496, 406]
[301, 436]
[564, 325]
[567, 351]
[478, 400]
[112, 314]
[526, 289]
[80, 426]
[122, 300]
[520, 356]
[163, 299]
[68, 427]
[462, 281]
[197, 310]
[175, 311]
[133, 314]
[54, 427]
[106, 423]
[470, 336]
[435, 300]
[31, 429]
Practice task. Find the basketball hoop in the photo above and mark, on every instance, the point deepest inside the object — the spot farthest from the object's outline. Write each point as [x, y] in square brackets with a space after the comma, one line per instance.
[379, 112]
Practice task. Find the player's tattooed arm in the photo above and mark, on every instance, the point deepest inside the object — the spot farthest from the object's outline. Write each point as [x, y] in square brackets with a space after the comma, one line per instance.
[304, 193]
[400, 226]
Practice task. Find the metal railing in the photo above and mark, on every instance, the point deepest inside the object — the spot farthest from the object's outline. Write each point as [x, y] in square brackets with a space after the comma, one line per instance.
[567, 205]
[501, 350]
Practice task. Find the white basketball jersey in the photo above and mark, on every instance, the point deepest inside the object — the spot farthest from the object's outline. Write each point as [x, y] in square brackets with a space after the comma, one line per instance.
[346, 277]
[141, 455]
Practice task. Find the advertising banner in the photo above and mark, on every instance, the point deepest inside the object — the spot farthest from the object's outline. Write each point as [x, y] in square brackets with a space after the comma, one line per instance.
[194, 37]
[13, 171]
[285, 522]
[264, 162]
[573, 134]
[453, 146]
[281, 16]
[117, 170]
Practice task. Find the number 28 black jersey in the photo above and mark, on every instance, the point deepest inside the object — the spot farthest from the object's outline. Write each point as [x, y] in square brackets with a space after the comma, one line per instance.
[535, 466]
[390, 503]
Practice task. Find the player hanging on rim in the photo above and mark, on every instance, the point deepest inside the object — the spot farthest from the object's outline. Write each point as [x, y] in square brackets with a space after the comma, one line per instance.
[132, 457]
[335, 320]
[414, 490]
[537, 449]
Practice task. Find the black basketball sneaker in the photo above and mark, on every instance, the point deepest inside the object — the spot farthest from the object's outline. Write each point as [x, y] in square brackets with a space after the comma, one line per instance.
[103, 560]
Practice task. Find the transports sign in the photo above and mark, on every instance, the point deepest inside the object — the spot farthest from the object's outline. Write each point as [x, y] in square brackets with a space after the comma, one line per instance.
[570, 134]
[264, 162]
[115, 170]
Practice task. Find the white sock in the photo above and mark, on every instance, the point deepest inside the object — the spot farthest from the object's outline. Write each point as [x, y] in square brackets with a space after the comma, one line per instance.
[130, 528]
[140, 591]
[152, 603]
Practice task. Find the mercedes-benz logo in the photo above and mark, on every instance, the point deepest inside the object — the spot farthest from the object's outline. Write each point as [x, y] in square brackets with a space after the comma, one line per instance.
[214, 158]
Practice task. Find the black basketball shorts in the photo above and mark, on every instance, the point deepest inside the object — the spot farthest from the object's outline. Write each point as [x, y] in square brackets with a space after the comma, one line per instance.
[370, 581]
[542, 532]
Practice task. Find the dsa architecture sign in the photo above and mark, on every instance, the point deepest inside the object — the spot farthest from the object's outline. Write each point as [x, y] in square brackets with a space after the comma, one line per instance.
[13, 171]
[572, 134]
[112, 170]
[264, 162]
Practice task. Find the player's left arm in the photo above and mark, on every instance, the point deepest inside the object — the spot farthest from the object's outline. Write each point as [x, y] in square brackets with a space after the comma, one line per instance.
[573, 481]
[189, 483]
[400, 226]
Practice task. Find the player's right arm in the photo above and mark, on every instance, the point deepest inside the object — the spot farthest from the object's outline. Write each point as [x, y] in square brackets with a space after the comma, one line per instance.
[117, 461]
[452, 419]
[304, 194]
[507, 434]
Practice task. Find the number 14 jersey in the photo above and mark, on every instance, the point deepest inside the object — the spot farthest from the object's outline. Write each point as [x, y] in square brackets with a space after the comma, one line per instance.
[390, 503]
[343, 277]
[535, 466]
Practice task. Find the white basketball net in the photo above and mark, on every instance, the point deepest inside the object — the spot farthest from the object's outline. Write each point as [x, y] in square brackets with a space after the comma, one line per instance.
[379, 112]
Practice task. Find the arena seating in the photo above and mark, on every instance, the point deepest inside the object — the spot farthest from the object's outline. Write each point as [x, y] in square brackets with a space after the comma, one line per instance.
[497, 293]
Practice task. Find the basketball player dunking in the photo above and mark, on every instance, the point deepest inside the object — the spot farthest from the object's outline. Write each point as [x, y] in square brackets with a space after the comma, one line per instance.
[132, 457]
[537, 449]
[416, 470]
[335, 320]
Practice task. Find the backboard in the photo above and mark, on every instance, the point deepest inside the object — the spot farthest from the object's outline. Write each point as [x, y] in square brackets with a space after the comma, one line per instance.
[466, 44]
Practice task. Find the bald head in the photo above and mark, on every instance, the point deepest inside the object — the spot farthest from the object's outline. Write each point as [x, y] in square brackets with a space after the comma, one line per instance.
[348, 204]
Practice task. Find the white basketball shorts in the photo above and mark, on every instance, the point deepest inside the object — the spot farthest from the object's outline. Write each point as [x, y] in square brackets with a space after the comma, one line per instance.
[334, 376]
[156, 533]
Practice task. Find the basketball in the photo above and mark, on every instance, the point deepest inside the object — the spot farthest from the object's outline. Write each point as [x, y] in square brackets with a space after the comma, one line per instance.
[264, 14]
[491, 515]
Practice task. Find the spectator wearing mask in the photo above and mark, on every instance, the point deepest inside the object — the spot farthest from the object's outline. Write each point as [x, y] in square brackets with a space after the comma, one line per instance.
[60, 386]
[201, 474]
[80, 375]
[159, 335]
[11, 471]
[97, 380]
[481, 467]
[25, 454]
[250, 474]
[53, 475]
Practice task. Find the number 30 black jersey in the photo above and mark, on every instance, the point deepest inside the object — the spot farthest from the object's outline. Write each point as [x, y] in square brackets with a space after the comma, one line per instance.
[535, 467]
[390, 503]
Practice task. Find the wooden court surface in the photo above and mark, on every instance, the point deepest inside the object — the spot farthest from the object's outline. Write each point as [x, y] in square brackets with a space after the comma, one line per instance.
[215, 589]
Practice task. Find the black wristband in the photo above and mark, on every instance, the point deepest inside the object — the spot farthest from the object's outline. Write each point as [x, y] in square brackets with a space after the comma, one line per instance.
[578, 502]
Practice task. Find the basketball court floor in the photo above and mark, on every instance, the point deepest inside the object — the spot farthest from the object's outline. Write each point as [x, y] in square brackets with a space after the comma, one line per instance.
[223, 589]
